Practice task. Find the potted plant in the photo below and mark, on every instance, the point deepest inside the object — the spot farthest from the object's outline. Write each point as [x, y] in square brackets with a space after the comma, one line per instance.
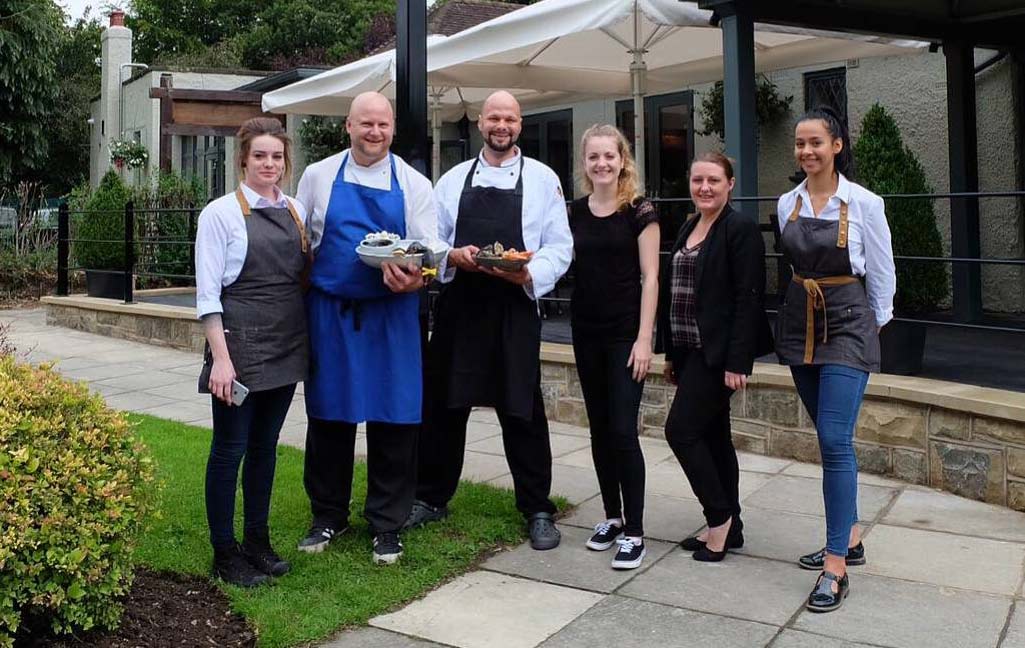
[128, 154]
[99, 233]
[887, 166]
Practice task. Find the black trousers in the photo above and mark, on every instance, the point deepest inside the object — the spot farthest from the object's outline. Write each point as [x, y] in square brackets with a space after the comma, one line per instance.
[443, 443]
[612, 398]
[698, 431]
[391, 481]
[248, 435]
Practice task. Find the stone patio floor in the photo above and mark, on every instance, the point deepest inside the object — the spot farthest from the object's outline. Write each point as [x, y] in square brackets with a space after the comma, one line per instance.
[942, 571]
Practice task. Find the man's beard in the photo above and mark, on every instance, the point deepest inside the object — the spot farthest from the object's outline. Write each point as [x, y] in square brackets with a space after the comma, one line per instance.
[500, 148]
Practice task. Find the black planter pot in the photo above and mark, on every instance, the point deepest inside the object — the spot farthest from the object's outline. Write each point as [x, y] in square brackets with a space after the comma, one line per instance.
[902, 345]
[109, 284]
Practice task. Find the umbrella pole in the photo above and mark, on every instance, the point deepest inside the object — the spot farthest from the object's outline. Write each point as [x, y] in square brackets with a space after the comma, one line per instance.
[435, 137]
[638, 74]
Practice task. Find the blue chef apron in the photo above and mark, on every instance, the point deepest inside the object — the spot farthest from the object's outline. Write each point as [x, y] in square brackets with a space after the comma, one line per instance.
[365, 340]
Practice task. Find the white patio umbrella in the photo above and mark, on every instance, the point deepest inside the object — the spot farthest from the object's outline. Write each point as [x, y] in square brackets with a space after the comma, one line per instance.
[332, 92]
[623, 47]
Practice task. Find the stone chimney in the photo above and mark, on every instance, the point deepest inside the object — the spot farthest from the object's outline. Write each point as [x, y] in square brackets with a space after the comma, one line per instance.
[115, 49]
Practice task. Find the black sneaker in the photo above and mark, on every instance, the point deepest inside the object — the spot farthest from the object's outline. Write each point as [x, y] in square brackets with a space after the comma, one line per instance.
[318, 537]
[605, 535]
[816, 561]
[423, 513]
[260, 554]
[387, 548]
[630, 554]
[231, 566]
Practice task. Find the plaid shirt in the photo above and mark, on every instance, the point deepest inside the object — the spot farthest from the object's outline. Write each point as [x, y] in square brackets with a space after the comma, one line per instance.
[683, 323]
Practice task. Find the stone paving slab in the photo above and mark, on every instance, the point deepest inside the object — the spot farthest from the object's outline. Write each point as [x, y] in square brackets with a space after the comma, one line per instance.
[946, 559]
[186, 390]
[483, 467]
[102, 372]
[193, 413]
[477, 431]
[902, 614]
[575, 484]
[1015, 637]
[562, 444]
[145, 379]
[814, 471]
[935, 510]
[619, 621]
[484, 609]
[801, 495]
[798, 639]
[571, 563]
[665, 518]
[781, 535]
[752, 588]
[376, 638]
[137, 401]
[760, 463]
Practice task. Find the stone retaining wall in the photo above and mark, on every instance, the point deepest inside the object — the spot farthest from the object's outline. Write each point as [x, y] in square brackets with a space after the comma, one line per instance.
[913, 438]
[149, 323]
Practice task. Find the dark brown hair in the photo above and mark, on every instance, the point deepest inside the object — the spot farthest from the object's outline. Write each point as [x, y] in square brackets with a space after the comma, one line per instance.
[715, 157]
[256, 127]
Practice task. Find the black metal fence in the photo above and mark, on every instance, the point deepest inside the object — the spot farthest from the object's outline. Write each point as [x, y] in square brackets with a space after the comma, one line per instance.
[156, 251]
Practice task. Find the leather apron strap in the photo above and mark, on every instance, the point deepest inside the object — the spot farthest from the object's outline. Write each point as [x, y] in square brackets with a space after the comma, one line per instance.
[841, 235]
[247, 210]
[816, 300]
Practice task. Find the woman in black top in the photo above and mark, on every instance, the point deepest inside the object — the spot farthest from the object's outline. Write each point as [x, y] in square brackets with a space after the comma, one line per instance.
[712, 325]
[615, 243]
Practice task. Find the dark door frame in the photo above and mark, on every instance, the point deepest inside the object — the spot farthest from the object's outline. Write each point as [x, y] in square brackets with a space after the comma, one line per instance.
[653, 126]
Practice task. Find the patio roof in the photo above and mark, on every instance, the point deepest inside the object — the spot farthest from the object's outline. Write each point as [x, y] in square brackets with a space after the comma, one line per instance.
[995, 24]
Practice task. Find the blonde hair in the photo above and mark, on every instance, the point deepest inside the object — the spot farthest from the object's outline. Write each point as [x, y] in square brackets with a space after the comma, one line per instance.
[628, 188]
[256, 127]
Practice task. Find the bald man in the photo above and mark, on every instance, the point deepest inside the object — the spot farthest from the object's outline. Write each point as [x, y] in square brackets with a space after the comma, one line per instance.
[364, 331]
[485, 347]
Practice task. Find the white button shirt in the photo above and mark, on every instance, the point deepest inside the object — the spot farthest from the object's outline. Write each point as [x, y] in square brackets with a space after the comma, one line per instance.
[545, 225]
[315, 192]
[868, 241]
[222, 241]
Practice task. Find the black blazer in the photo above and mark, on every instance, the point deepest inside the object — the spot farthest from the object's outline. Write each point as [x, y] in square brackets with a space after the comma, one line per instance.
[730, 286]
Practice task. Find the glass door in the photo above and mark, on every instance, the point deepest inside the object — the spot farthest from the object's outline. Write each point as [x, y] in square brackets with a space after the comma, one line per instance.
[548, 137]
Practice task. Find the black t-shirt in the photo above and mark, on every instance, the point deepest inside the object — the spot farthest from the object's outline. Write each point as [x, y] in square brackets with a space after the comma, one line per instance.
[607, 268]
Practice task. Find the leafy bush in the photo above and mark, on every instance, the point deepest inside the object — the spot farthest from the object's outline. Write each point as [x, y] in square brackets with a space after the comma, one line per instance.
[321, 137]
[30, 274]
[168, 234]
[769, 106]
[886, 166]
[76, 487]
[101, 229]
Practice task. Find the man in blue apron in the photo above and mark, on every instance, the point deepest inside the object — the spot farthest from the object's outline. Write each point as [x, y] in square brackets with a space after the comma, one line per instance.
[365, 362]
[485, 346]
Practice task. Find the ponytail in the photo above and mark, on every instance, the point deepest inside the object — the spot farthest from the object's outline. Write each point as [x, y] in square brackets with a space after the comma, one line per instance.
[844, 161]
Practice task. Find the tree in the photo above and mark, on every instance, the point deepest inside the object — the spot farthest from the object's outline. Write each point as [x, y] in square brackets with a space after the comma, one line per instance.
[29, 42]
[886, 166]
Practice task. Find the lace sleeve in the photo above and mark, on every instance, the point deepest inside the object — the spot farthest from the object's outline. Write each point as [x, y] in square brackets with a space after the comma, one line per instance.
[644, 214]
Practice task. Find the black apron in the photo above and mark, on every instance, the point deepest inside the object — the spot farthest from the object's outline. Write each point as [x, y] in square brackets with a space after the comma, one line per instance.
[264, 314]
[487, 336]
[825, 317]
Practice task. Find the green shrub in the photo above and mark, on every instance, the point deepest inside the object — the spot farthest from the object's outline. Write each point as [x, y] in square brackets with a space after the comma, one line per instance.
[30, 274]
[76, 487]
[770, 106]
[886, 166]
[103, 222]
[168, 239]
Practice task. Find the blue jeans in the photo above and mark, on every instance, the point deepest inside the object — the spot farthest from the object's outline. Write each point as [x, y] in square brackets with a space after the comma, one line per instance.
[832, 395]
[246, 435]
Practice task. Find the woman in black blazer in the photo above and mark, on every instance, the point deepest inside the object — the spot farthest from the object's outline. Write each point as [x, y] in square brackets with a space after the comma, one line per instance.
[711, 326]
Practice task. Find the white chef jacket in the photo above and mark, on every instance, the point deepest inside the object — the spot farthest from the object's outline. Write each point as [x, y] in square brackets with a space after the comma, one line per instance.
[545, 225]
[868, 241]
[222, 241]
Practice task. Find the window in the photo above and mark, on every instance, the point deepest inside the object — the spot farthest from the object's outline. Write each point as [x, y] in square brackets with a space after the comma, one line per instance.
[668, 140]
[204, 157]
[827, 88]
[548, 137]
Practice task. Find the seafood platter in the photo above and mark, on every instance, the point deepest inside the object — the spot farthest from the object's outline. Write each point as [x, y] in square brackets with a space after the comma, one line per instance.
[379, 248]
[495, 255]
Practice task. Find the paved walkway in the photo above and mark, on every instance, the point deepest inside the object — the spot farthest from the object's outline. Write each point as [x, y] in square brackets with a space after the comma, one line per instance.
[942, 571]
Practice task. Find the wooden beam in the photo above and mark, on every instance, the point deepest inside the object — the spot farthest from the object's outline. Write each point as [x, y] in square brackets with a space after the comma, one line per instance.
[198, 131]
[214, 114]
[166, 115]
[218, 96]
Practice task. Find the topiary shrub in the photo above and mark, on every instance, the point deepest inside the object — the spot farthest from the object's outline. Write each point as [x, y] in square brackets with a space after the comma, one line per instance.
[886, 166]
[103, 222]
[76, 486]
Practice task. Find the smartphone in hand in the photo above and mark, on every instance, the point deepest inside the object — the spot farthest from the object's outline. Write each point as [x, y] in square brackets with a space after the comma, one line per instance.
[238, 392]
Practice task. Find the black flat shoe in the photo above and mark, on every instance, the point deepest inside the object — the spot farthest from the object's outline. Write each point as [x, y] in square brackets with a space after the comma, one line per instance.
[815, 561]
[823, 598]
[734, 539]
[544, 535]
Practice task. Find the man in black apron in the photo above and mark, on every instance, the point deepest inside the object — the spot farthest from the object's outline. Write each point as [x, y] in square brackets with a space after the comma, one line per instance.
[485, 347]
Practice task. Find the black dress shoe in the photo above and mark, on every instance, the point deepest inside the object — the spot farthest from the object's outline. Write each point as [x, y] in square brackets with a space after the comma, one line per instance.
[815, 561]
[543, 533]
[823, 598]
[734, 539]
[231, 566]
[258, 551]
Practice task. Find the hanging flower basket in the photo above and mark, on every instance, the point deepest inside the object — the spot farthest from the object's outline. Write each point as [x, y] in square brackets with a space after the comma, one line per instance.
[128, 154]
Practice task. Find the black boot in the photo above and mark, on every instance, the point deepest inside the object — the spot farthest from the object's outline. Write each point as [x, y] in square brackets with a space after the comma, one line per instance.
[232, 567]
[257, 550]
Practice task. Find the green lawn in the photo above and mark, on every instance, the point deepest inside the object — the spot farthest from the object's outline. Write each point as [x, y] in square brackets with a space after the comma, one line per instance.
[327, 591]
